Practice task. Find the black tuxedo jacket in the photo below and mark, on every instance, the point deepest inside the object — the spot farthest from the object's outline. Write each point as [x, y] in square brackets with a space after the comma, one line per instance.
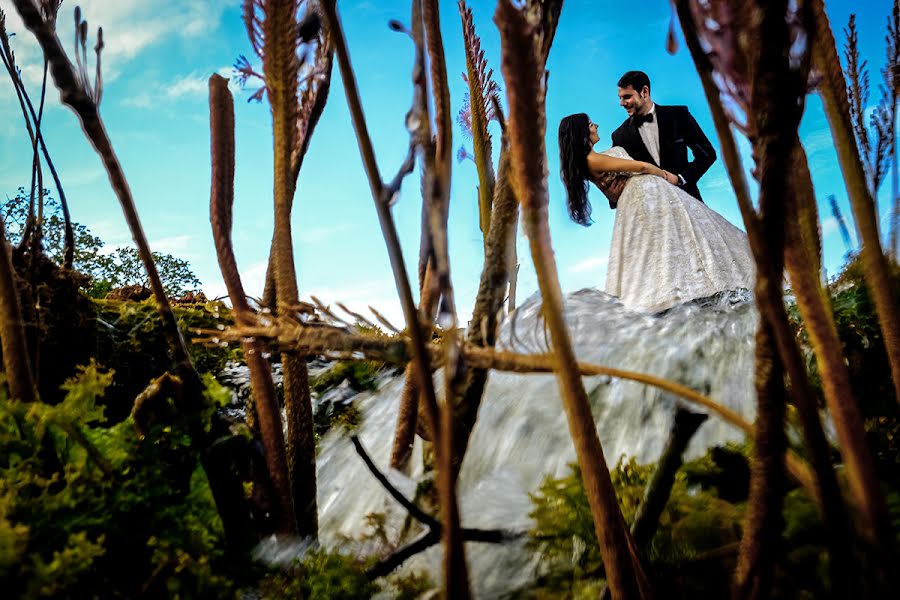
[678, 131]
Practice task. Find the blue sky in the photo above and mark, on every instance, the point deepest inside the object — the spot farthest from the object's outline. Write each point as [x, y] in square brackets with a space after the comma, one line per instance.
[159, 55]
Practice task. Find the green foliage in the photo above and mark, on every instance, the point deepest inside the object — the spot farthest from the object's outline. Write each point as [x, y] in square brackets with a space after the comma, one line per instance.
[408, 586]
[130, 341]
[107, 270]
[321, 575]
[692, 554]
[866, 356]
[85, 508]
[123, 267]
[360, 374]
[87, 246]
[692, 522]
[694, 550]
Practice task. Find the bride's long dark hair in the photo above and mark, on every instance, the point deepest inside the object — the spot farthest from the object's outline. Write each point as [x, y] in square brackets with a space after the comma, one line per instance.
[574, 147]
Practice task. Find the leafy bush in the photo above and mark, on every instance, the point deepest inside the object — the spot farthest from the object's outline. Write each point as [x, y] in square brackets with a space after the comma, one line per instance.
[693, 552]
[85, 508]
[130, 342]
[694, 521]
[864, 350]
[360, 374]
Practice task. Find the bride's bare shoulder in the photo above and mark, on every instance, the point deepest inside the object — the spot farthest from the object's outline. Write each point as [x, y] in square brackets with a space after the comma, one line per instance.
[598, 160]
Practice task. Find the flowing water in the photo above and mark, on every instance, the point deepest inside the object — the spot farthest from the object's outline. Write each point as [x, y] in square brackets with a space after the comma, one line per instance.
[521, 436]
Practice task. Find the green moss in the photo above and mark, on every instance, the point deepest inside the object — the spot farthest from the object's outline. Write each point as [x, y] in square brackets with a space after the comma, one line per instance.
[321, 575]
[409, 586]
[360, 374]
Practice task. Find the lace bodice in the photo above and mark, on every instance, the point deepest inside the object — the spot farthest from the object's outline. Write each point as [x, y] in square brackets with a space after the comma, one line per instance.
[605, 179]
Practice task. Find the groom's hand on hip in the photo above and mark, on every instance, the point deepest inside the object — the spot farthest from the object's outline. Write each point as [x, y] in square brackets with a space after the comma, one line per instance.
[612, 189]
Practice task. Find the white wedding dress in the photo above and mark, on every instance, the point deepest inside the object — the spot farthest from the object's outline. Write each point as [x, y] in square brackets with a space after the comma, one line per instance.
[668, 247]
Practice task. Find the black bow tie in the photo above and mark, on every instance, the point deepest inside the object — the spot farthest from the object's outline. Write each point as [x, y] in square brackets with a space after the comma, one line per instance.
[640, 119]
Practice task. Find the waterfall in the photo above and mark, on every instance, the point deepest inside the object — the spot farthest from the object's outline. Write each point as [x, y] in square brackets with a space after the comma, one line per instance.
[521, 435]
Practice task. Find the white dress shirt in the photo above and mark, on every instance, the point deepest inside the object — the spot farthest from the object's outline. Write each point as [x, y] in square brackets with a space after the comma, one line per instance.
[650, 135]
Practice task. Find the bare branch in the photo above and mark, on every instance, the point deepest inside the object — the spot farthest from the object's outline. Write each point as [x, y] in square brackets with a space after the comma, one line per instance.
[411, 507]
[381, 319]
[385, 218]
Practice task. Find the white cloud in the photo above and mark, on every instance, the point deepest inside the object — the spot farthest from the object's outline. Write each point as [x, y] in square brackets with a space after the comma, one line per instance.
[253, 278]
[175, 245]
[113, 231]
[142, 100]
[82, 176]
[129, 28]
[379, 294]
[194, 85]
[187, 86]
[589, 264]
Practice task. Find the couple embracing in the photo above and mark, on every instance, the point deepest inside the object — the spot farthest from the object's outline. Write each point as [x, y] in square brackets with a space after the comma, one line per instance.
[668, 247]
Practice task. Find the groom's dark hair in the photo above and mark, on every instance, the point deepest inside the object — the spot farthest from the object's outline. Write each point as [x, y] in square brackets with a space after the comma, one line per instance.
[636, 79]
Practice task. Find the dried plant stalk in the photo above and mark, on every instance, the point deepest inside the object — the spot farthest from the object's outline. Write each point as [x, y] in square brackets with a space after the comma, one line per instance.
[499, 230]
[310, 106]
[429, 286]
[489, 300]
[221, 117]
[456, 577]
[273, 30]
[770, 302]
[385, 219]
[382, 195]
[16, 362]
[858, 94]
[523, 76]
[761, 536]
[407, 415]
[861, 475]
[834, 99]
[6, 56]
[773, 130]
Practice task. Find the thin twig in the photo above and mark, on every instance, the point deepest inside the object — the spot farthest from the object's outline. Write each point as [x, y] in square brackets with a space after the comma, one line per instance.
[385, 219]
[433, 535]
[329, 313]
[523, 74]
[221, 115]
[411, 507]
[383, 320]
[361, 319]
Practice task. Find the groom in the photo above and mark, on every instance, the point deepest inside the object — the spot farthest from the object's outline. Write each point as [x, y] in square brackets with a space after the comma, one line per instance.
[660, 135]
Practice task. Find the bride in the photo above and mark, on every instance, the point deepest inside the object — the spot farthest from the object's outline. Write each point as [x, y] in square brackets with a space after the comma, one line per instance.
[667, 246]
